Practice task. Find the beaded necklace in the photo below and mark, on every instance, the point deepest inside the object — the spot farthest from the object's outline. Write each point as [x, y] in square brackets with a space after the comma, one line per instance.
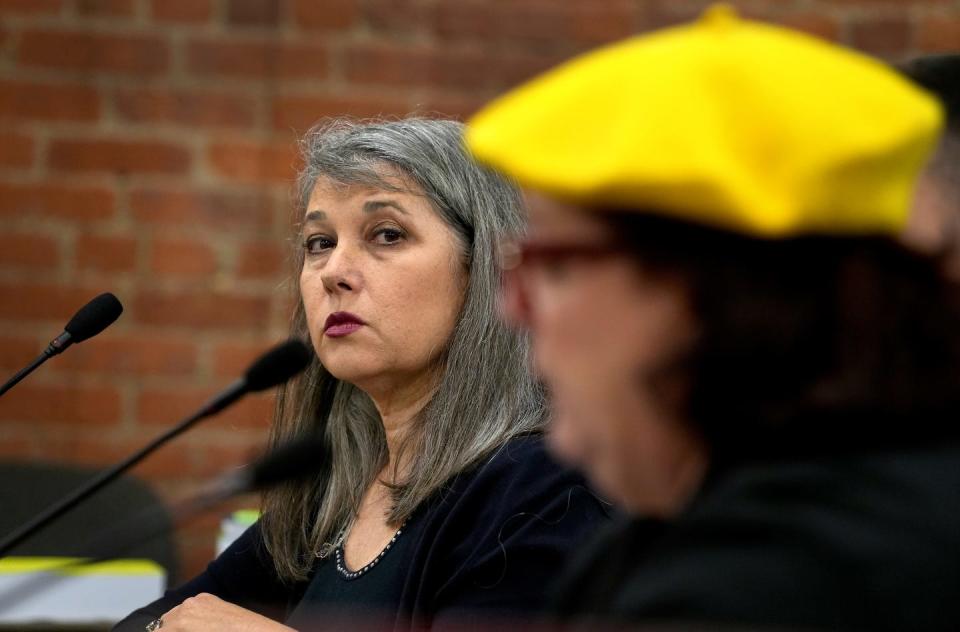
[342, 567]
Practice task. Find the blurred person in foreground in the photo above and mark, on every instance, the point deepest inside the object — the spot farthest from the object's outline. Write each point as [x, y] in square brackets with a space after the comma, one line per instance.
[934, 225]
[438, 504]
[737, 348]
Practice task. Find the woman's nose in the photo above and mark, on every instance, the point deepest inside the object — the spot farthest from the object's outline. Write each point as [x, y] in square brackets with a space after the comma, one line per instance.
[341, 272]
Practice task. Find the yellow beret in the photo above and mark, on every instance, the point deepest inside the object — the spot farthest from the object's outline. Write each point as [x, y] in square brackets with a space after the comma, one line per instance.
[726, 122]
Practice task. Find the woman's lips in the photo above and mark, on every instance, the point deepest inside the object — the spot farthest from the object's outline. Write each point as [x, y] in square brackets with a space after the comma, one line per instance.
[341, 324]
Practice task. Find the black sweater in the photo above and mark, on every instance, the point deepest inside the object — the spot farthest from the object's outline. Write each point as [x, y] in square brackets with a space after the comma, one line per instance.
[486, 545]
[854, 541]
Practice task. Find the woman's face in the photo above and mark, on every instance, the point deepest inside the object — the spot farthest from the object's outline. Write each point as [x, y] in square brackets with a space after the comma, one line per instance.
[599, 327]
[382, 283]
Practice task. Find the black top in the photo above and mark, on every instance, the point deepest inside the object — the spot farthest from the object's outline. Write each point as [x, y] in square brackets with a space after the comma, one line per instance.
[854, 541]
[485, 545]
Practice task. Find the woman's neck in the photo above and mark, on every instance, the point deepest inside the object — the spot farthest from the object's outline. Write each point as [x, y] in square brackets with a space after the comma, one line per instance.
[399, 407]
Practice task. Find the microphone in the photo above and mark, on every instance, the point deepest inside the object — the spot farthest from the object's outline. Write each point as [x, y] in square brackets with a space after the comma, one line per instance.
[292, 461]
[273, 368]
[90, 320]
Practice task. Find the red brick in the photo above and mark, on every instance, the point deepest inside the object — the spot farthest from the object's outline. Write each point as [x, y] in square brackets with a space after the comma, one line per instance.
[522, 20]
[817, 24]
[254, 162]
[35, 7]
[117, 354]
[168, 461]
[541, 21]
[106, 253]
[253, 12]
[19, 448]
[664, 13]
[16, 150]
[889, 3]
[78, 50]
[391, 64]
[196, 531]
[179, 207]
[164, 406]
[262, 259]
[16, 352]
[186, 11]
[302, 112]
[182, 258]
[449, 106]
[201, 310]
[200, 109]
[510, 68]
[111, 8]
[405, 17]
[402, 67]
[28, 251]
[93, 405]
[37, 301]
[881, 35]
[79, 203]
[259, 58]
[332, 14]
[602, 22]
[60, 102]
[939, 34]
[118, 156]
[231, 359]
[255, 411]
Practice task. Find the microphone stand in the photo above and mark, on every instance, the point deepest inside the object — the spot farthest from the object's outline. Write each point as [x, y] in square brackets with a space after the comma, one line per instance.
[54, 511]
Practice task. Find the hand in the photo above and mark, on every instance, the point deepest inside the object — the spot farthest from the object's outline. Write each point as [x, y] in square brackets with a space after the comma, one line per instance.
[207, 613]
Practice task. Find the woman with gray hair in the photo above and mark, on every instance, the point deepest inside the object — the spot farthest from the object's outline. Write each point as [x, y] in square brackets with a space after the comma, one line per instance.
[438, 502]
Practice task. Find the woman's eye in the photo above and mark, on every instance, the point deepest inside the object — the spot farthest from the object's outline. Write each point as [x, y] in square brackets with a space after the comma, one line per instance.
[388, 236]
[317, 244]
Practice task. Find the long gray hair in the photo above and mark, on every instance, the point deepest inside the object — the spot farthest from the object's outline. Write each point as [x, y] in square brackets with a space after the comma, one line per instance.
[485, 394]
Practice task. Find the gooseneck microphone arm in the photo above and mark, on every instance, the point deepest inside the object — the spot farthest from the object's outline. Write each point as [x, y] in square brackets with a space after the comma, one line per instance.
[275, 367]
[24, 372]
[89, 321]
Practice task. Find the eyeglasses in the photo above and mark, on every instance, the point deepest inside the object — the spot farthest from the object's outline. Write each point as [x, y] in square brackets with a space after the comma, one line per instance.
[519, 259]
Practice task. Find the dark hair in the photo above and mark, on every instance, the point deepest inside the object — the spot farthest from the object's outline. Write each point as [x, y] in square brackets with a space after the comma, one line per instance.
[809, 343]
[939, 74]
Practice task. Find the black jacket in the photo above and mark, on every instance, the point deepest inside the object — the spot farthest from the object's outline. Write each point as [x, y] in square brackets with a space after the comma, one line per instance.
[486, 545]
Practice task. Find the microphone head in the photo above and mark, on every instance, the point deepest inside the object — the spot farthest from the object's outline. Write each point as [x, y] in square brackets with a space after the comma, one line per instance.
[292, 461]
[94, 317]
[277, 365]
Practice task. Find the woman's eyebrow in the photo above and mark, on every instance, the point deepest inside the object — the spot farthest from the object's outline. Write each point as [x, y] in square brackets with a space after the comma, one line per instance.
[314, 216]
[375, 205]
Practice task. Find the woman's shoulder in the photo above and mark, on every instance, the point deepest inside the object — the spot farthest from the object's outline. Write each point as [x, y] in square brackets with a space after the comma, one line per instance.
[520, 475]
[502, 530]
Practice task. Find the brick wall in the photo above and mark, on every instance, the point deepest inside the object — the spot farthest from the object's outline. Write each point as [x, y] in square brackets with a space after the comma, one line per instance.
[146, 148]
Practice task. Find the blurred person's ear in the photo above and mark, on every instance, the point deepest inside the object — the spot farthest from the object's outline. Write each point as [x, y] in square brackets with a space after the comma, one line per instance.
[926, 226]
[933, 226]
